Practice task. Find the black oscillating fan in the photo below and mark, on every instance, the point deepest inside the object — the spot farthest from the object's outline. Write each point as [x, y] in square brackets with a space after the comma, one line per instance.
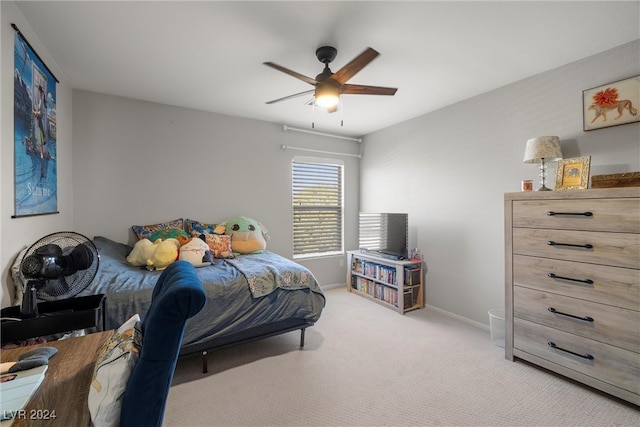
[57, 266]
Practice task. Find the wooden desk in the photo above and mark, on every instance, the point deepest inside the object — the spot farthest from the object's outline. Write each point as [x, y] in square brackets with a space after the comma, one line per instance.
[65, 389]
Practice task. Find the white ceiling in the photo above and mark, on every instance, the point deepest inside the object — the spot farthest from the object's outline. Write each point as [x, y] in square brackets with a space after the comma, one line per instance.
[208, 55]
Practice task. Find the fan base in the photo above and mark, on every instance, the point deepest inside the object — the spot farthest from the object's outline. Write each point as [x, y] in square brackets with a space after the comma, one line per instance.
[55, 317]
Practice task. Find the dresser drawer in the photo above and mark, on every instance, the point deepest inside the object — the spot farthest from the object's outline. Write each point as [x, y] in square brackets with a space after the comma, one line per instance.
[618, 215]
[615, 249]
[609, 285]
[611, 325]
[610, 364]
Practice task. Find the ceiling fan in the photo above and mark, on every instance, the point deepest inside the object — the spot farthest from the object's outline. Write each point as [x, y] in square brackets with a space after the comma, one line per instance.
[329, 85]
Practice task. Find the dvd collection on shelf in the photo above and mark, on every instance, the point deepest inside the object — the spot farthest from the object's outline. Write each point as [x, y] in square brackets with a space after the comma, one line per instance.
[380, 282]
[375, 271]
[376, 290]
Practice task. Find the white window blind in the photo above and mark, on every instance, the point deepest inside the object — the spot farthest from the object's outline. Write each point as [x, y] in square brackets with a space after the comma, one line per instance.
[317, 207]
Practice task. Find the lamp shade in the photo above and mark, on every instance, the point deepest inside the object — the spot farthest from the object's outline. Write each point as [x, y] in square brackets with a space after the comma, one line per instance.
[543, 147]
[327, 96]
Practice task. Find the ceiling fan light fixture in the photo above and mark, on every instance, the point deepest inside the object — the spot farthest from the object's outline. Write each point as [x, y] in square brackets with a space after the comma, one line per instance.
[327, 96]
[329, 86]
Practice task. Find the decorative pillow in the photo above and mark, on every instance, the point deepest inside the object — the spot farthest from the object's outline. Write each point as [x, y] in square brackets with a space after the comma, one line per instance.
[115, 363]
[169, 233]
[220, 245]
[145, 231]
[192, 226]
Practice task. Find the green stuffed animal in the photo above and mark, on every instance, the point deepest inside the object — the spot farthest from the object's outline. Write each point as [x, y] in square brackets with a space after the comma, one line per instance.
[248, 236]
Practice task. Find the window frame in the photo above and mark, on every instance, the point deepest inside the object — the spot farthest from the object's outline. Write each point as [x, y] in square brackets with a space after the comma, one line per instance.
[339, 241]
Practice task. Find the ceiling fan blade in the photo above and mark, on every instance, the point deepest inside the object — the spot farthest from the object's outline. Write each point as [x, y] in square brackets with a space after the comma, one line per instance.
[306, 92]
[358, 63]
[291, 73]
[368, 90]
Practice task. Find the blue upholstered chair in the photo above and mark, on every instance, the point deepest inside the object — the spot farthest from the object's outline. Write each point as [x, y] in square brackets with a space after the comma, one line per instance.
[177, 296]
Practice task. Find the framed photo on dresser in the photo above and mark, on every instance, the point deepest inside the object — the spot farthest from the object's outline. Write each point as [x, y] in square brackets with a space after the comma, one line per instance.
[573, 174]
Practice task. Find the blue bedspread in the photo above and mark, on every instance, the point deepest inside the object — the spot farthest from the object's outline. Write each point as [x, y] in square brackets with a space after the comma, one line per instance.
[267, 272]
[232, 304]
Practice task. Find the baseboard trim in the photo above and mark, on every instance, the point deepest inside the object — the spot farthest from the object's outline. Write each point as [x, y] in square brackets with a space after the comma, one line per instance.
[333, 286]
[427, 306]
[458, 317]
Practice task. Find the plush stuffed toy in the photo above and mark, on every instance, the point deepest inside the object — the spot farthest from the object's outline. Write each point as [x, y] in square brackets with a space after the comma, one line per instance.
[142, 251]
[196, 251]
[248, 236]
[154, 255]
[183, 240]
[165, 253]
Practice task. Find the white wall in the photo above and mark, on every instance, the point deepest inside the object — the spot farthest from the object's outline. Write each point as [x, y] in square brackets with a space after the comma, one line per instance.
[450, 169]
[137, 162]
[16, 233]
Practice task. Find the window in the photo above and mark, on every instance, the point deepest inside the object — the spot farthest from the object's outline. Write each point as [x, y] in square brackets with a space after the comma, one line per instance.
[317, 207]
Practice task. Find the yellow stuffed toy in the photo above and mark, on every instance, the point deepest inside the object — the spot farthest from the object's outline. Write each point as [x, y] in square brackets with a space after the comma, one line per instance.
[154, 255]
[141, 252]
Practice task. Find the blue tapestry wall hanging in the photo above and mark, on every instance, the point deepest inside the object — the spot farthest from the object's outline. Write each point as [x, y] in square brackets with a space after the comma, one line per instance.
[35, 124]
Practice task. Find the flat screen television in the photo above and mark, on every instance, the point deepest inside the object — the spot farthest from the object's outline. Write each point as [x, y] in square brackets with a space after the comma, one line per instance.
[385, 234]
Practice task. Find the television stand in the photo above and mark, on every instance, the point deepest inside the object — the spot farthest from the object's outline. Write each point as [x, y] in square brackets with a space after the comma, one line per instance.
[382, 254]
[392, 282]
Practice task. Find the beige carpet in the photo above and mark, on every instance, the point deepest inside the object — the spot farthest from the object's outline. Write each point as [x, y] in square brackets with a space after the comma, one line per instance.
[365, 365]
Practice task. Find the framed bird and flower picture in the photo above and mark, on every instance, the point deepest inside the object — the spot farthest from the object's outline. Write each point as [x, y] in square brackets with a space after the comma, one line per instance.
[612, 104]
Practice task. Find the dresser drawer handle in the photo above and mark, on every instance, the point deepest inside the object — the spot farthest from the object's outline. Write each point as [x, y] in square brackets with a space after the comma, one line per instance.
[551, 213]
[585, 318]
[586, 246]
[587, 281]
[584, 356]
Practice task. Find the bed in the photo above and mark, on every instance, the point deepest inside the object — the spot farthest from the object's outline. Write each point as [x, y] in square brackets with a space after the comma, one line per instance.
[248, 297]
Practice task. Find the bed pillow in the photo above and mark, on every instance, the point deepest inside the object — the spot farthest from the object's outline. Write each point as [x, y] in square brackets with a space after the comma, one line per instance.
[192, 226]
[146, 231]
[116, 361]
[219, 244]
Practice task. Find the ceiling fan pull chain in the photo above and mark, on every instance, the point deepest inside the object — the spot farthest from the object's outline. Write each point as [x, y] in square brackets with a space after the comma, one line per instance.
[341, 113]
[313, 114]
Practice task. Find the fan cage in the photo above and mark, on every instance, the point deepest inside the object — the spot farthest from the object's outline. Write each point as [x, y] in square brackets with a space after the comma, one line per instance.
[67, 286]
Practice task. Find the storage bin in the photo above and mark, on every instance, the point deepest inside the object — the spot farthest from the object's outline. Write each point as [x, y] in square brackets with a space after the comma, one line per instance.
[496, 324]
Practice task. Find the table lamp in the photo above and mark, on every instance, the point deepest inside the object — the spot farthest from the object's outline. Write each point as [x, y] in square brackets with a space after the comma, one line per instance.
[541, 149]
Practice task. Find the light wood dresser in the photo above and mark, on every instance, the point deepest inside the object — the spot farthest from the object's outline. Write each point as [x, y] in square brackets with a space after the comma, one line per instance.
[572, 282]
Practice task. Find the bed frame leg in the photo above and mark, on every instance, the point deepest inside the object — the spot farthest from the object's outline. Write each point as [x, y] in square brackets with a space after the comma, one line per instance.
[302, 337]
[204, 362]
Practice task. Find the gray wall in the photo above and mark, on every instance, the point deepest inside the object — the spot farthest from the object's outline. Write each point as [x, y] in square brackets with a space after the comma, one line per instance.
[450, 169]
[17, 233]
[136, 162]
[124, 162]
